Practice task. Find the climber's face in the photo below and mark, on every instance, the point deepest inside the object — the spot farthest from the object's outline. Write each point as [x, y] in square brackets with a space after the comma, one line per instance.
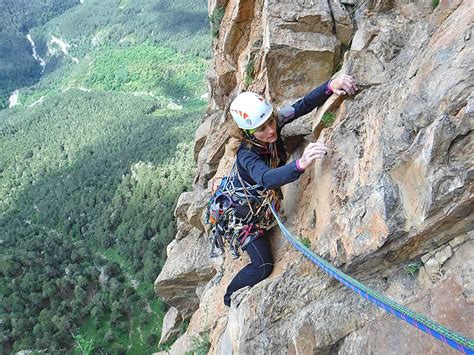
[267, 133]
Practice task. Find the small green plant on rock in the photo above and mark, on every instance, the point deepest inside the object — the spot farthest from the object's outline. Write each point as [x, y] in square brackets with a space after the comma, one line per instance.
[413, 267]
[200, 345]
[328, 118]
[216, 19]
[305, 241]
[249, 69]
[434, 3]
[183, 327]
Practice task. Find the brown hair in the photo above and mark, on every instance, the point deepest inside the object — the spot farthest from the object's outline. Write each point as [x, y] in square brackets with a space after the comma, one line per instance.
[238, 135]
[236, 132]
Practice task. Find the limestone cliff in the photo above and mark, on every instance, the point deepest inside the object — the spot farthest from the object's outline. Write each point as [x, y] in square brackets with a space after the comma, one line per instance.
[391, 204]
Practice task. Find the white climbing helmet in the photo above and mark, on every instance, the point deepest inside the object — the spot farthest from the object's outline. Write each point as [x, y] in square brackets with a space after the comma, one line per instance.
[250, 110]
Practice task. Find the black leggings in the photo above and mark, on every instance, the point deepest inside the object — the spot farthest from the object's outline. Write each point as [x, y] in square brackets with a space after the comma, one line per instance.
[260, 267]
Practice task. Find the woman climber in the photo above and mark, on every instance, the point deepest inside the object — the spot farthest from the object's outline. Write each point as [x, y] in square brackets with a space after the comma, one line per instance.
[261, 169]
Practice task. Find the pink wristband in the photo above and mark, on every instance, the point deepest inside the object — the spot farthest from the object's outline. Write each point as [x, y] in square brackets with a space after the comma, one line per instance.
[298, 166]
[328, 88]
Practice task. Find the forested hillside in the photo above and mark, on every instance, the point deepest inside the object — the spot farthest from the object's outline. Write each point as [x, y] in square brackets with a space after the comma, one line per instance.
[93, 159]
[17, 66]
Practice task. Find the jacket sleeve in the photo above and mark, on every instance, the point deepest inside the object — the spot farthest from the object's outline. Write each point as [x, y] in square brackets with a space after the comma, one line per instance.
[308, 103]
[265, 176]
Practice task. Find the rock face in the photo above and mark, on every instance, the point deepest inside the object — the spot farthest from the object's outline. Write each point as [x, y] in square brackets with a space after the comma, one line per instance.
[170, 327]
[391, 204]
[302, 44]
[395, 337]
[187, 267]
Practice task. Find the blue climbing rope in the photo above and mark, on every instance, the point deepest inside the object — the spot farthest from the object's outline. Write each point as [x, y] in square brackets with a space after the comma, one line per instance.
[453, 339]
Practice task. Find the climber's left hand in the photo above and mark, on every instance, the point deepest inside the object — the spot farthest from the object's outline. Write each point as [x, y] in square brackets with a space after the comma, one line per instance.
[343, 84]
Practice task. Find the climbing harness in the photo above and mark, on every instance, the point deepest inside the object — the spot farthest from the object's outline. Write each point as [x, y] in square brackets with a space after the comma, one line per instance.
[238, 213]
[453, 339]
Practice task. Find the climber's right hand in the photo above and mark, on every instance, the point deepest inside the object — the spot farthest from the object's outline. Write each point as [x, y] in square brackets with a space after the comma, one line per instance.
[312, 152]
[343, 84]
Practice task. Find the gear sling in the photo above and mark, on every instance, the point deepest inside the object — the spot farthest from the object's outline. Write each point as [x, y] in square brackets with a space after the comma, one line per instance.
[238, 213]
